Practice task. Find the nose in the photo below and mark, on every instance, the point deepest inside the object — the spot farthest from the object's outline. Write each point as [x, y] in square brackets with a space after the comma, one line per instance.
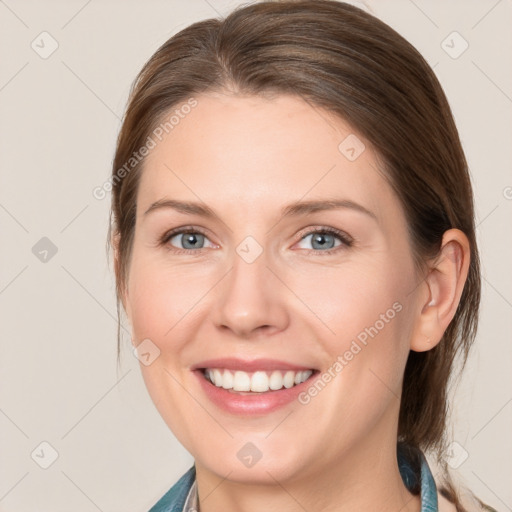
[251, 299]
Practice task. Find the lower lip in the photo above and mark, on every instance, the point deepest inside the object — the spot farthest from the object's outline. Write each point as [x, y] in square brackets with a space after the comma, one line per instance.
[254, 403]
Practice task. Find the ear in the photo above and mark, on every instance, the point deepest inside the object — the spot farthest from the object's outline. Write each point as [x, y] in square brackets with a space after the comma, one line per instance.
[440, 292]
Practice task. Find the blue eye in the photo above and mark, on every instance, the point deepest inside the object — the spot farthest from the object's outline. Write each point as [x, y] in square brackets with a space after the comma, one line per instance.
[322, 240]
[188, 239]
[326, 240]
[192, 240]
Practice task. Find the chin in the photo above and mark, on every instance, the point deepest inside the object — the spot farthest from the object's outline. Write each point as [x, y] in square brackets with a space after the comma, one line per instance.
[256, 462]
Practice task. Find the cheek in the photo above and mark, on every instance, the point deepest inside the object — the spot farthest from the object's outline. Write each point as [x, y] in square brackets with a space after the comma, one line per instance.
[163, 306]
[365, 307]
[351, 298]
[160, 298]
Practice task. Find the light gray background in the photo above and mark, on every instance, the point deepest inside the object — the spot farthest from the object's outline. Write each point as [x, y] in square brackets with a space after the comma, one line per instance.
[59, 118]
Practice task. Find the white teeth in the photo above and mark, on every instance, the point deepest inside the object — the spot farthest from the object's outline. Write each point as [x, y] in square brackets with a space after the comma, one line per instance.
[217, 378]
[259, 382]
[241, 381]
[289, 379]
[227, 380]
[276, 381]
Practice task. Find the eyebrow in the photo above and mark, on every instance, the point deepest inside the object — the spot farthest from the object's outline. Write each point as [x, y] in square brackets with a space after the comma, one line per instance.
[305, 207]
[292, 210]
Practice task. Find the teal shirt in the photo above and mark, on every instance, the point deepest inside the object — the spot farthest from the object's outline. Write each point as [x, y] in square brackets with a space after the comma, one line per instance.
[175, 498]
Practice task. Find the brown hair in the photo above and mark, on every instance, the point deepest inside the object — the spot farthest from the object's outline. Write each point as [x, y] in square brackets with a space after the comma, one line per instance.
[339, 58]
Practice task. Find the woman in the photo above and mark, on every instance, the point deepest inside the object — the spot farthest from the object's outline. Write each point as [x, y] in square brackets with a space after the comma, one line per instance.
[294, 241]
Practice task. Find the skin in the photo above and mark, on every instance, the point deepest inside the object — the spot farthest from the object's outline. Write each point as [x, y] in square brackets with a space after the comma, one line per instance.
[247, 157]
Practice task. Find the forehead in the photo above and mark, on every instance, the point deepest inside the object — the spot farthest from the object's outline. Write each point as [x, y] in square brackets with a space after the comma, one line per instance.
[231, 151]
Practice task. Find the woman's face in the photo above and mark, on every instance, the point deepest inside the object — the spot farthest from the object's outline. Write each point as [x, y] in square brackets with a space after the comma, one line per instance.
[295, 264]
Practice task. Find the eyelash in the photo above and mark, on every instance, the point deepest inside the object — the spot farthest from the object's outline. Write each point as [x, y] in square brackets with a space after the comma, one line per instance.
[346, 240]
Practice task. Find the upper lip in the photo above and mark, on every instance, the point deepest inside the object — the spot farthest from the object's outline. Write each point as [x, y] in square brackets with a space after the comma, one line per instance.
[230, 363]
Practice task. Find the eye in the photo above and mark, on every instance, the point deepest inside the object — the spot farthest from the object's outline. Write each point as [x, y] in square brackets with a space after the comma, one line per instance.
[189, 239]
[186, 240]
[325, 240]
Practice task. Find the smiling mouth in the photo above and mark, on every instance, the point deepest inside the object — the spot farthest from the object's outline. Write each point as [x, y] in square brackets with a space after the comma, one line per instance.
[255, 382]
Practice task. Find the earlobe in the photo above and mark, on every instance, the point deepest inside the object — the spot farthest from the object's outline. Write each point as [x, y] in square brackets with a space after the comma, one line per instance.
[441, 290]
